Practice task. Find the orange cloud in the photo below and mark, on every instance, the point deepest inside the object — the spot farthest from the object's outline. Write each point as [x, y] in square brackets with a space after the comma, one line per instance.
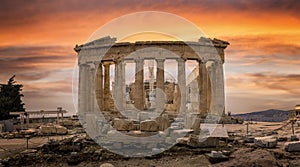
[37, 41]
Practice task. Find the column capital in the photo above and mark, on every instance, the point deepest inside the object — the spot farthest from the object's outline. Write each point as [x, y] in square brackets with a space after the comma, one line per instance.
[218, 61]
[180, 60]
[119, 60]
[83, 65]
[138, 60]
[202, 61]
[160, 60]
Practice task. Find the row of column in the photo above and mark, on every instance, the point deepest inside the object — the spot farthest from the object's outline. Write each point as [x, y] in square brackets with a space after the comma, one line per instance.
[210, 81]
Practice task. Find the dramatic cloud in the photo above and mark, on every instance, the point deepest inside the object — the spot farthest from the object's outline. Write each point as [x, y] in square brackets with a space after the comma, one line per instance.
[262, 62]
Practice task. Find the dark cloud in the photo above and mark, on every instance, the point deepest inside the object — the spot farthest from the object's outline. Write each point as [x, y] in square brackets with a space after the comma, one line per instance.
[31, 63]
[18, 12]
[15, 58]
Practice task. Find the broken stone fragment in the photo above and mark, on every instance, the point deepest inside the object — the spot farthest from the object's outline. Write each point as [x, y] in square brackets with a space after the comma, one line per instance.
[266, 142]
[292, 146]
[149, 126]
[53, 129]
[163, 123]
[122, 124]
[61, 130]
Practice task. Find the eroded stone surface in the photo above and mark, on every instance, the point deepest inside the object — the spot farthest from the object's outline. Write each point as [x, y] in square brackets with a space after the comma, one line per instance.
[149, 126]
[122, 124]
[266, 142]
[292, 146]
[163, 122]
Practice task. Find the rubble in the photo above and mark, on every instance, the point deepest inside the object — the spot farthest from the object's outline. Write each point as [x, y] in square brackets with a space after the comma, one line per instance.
[266, 142]
[149, 126]
[292, 146]
[122, 124]
[52, 129]
[245, 159]
[81, 150]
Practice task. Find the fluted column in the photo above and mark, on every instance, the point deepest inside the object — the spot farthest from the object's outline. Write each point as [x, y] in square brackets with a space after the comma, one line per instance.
[99, 86]
[203, 89]
[139, 84]
[119, 81]
[160, 87]
[91, 89]
[83, 84]
[160, 74]
[182, 85]
[220, 90]
[217, 87]
[107, 93]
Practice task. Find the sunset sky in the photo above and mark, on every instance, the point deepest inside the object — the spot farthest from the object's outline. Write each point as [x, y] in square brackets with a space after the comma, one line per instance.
[262, 68]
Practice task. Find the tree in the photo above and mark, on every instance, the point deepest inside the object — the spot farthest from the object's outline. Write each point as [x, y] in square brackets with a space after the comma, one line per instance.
[10, 98]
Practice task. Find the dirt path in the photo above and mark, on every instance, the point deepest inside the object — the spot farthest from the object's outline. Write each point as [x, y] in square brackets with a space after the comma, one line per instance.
[12, 146]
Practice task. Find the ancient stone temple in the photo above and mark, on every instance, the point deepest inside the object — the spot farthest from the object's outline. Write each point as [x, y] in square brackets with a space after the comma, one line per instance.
[295, 112]
[203, 92]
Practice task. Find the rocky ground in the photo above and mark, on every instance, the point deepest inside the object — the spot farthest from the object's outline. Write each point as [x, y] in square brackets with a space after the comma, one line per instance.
[79, 150]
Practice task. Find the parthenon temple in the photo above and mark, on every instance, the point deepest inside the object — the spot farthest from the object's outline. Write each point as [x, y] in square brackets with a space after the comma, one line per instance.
[202, 91]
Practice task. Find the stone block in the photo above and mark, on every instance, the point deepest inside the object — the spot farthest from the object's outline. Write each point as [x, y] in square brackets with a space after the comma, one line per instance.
[195, 141]
[294, 138]
[47, 129]
[60, 130]
[249, 139]
[266, 142]
[216, 154]
[122, 124]
[292, 146]
[66, 122]
[149, 126]
[163, 123]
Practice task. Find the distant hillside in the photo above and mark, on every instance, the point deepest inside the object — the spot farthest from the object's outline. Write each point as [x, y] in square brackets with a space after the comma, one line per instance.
[265, 116]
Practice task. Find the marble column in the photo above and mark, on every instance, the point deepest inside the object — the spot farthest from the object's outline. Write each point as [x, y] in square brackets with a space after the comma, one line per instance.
[83, 84]
[124, 84]
[99, 86]
[139, 84]
[107, 93]
[216, 75]
[203, 88]
[160, 74]
[119, 81]
[220, 90]
[181, 85]
[209, 93]
[92, 89]
[160, 101]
